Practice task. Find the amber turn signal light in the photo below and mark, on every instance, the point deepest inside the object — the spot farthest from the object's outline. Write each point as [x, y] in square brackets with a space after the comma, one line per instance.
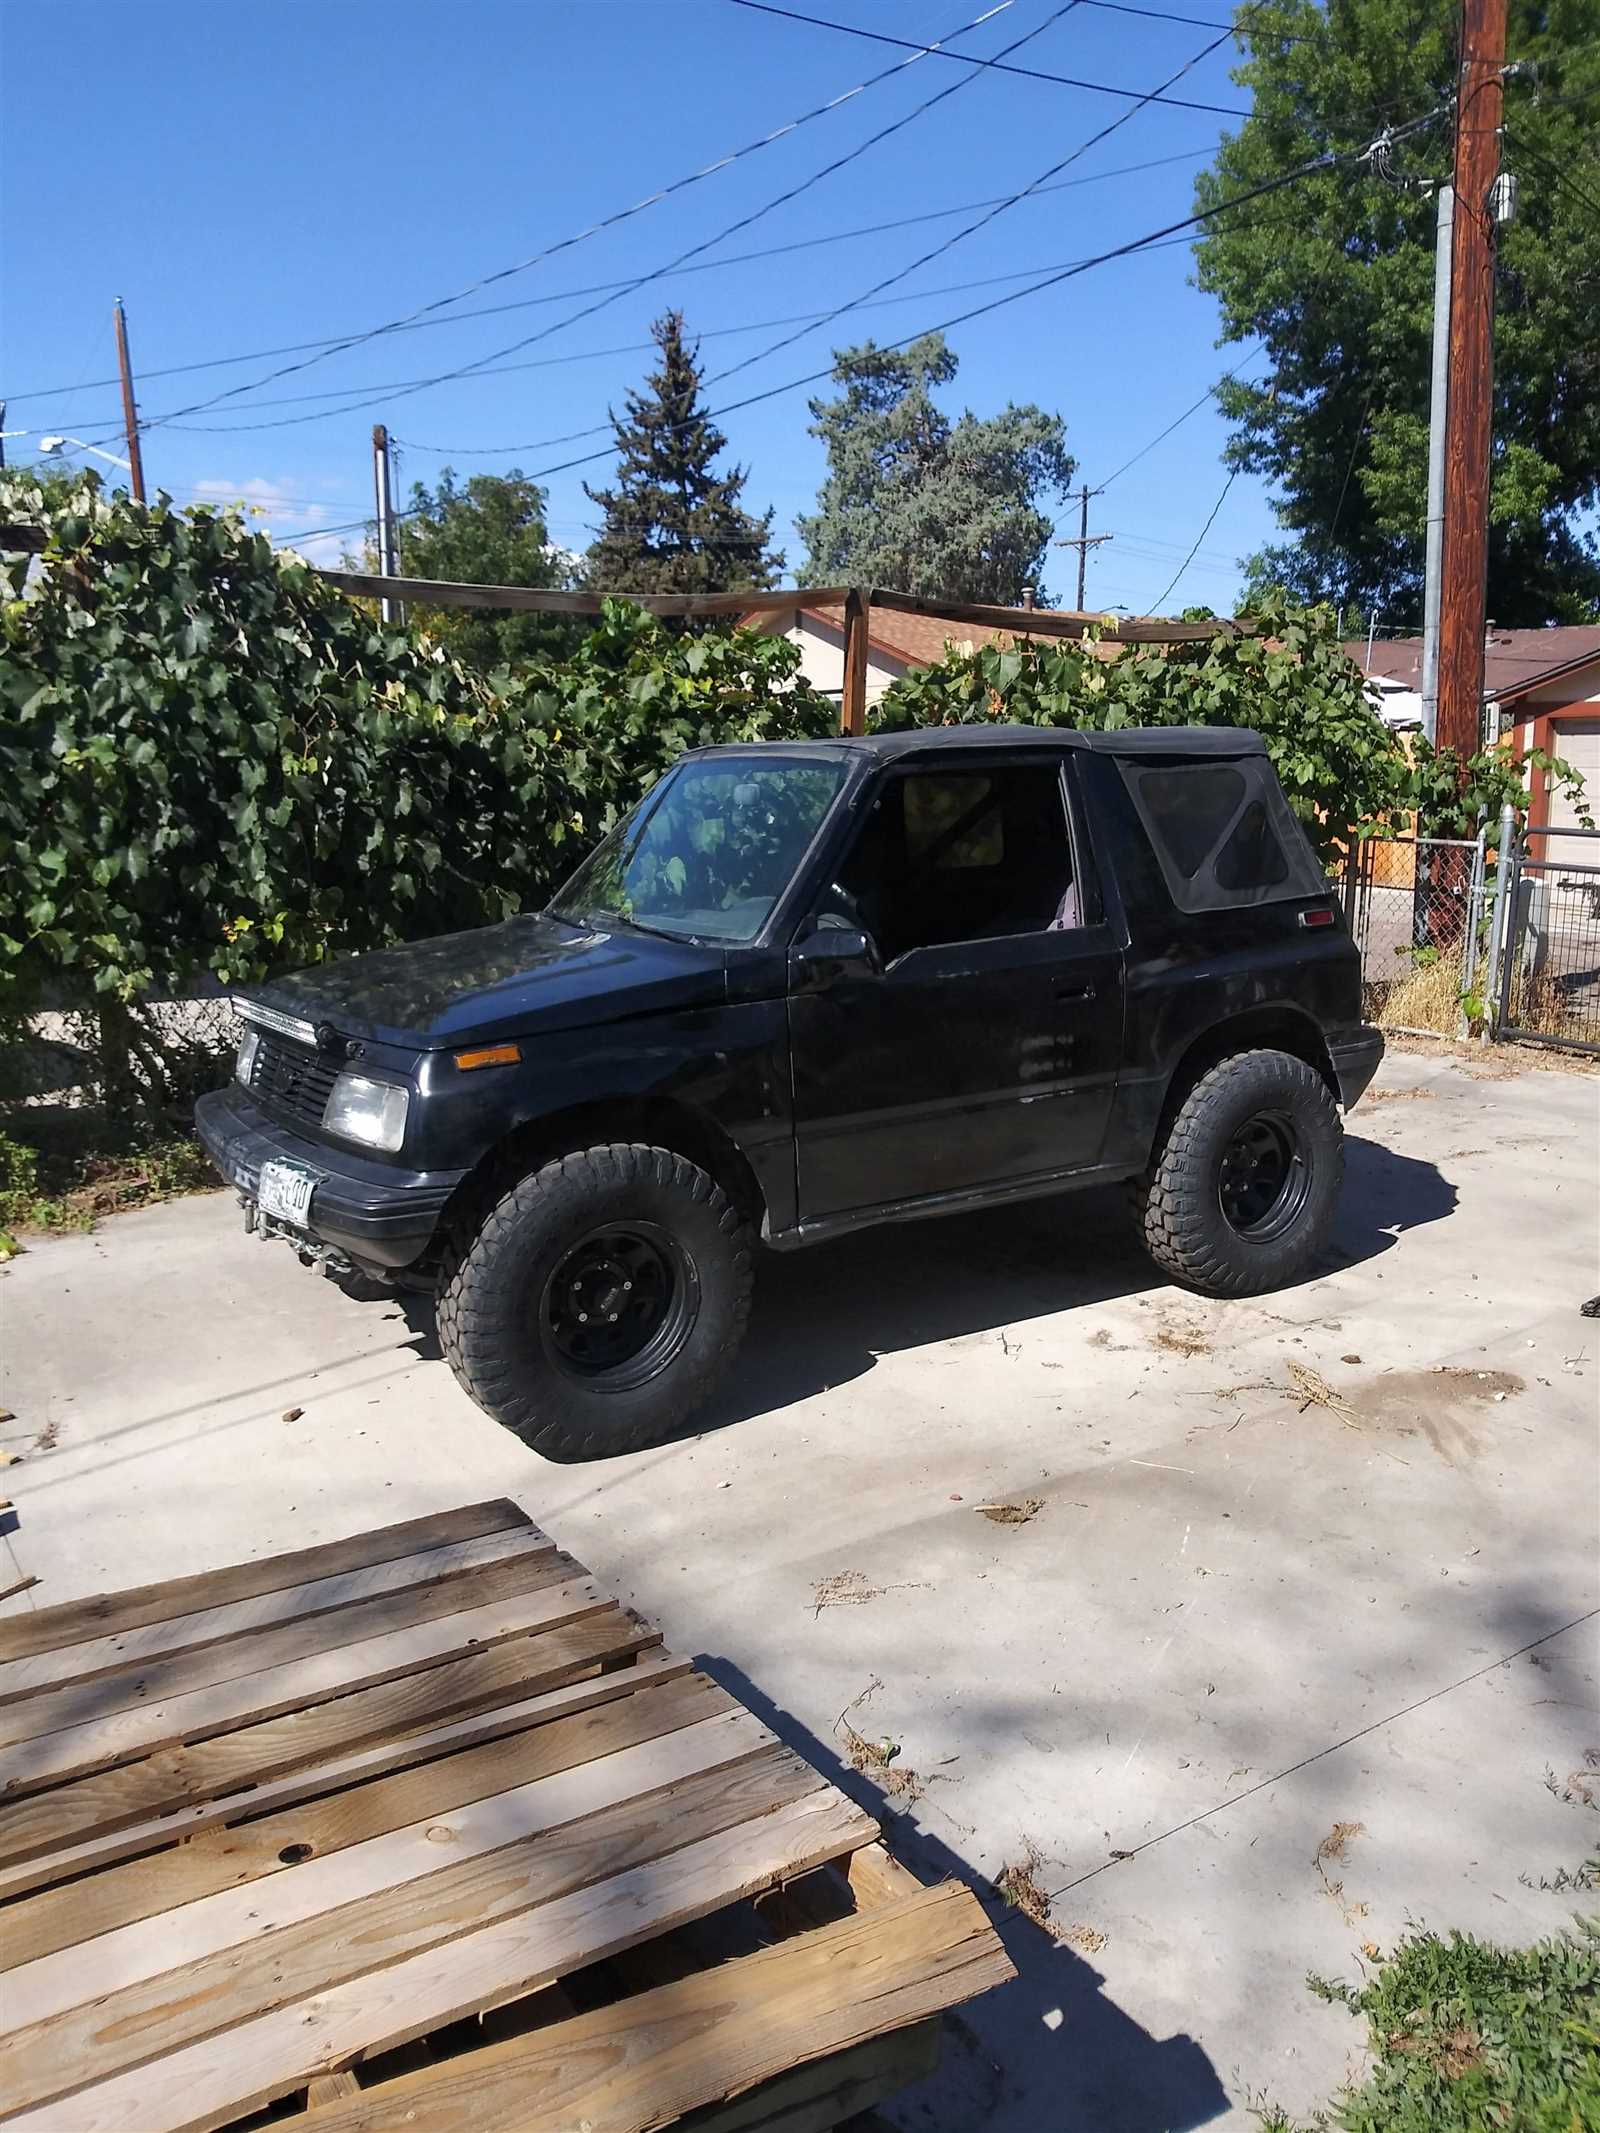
[489, 1055]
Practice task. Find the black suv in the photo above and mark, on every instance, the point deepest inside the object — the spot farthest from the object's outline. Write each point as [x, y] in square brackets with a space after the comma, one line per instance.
[802, 988]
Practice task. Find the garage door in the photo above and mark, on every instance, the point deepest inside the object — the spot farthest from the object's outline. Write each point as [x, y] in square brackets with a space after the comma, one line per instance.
[1575, 741]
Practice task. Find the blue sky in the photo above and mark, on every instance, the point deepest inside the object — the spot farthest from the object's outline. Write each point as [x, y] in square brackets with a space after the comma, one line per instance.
[248, 175]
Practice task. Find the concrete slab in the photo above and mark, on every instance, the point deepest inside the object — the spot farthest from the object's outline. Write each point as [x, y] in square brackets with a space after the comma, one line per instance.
[1326, 1559]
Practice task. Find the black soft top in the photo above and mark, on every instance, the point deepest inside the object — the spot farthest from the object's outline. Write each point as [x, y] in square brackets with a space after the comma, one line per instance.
[1140, 741]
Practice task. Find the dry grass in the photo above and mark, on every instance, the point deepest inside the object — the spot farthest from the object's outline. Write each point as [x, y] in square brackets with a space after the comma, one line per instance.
[1011, 1514]
[1430, 998]
[1019, 1885]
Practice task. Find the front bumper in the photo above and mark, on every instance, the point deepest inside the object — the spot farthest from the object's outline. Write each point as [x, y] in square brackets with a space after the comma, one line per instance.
[1356, 1061]
[378, 1215]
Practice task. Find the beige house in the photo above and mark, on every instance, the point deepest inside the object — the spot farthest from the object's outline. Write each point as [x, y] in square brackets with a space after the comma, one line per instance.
[895, 643]
[1540, 687]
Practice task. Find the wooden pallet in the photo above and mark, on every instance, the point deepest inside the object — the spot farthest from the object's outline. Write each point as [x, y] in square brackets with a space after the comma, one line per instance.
[421, 1829]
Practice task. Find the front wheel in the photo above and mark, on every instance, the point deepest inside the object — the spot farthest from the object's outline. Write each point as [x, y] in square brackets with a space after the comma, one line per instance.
[1241, 1195]
[599, 1301]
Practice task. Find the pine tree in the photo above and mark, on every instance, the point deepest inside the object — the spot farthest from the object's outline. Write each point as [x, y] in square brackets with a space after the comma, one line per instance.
[671, 523]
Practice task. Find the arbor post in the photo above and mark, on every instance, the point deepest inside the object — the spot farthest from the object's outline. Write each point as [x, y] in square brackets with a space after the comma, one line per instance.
[853, 695]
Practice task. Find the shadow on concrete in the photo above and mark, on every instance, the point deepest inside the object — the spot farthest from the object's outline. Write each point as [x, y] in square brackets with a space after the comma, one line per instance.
[823, 1316]
[1048, 2053]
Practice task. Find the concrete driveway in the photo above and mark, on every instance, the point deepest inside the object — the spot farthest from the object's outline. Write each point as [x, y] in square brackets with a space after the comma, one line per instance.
[1281, 1662]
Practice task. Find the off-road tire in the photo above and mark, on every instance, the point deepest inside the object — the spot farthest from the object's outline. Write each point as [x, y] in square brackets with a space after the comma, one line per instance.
[1177, 1203]
[495, 1272]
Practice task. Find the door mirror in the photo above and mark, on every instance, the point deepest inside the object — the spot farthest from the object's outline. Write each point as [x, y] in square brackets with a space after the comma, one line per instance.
[831, 949]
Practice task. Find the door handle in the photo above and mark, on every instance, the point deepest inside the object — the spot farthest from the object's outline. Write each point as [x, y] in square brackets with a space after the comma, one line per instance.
[1082, 991]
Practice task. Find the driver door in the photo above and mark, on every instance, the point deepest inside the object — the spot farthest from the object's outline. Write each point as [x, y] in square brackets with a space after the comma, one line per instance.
[978, 1043]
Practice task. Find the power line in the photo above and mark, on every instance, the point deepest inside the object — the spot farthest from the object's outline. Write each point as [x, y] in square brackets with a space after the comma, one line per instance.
[606, 222]
[732, 229]
[1149, 96]
[1082, 266]
[1166, 592]
[1554, 171]
[1065, 81]
[559, 296]
[581, 355]
[1161, 436]
[1199, 22]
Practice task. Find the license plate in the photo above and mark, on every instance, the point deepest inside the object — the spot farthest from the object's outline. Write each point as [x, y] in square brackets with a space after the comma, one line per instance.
[285, 1191]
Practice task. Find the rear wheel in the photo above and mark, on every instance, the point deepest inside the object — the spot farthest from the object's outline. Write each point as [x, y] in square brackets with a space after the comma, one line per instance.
[598, 1303]
[1241, 1195]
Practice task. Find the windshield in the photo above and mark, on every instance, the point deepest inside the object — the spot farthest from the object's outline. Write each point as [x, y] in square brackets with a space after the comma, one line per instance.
[710, 850]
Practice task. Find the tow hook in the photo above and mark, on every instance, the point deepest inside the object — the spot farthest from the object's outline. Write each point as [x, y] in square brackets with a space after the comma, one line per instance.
[311, 1251]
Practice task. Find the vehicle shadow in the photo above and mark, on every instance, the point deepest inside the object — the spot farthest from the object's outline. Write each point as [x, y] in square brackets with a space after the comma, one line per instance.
[1047, 2053]
[823, 1316]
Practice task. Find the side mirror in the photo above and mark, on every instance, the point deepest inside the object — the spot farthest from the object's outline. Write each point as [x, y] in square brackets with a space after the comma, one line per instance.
[830, 950]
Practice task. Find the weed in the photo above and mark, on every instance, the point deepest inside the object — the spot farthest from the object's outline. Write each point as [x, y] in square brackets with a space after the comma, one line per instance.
[1464, 2036]
[69, 1174]
[1019, 1885]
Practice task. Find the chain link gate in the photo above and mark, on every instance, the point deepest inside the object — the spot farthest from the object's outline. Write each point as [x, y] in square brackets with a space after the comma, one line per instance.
[1547, 932]
[1417, 908]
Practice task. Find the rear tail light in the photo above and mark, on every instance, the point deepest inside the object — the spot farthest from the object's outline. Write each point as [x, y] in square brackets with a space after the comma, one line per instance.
[1319, 915]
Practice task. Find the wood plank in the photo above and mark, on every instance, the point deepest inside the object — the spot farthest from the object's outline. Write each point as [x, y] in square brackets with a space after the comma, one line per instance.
[523, 599]
[35, 1828]
[141, 1730]
[159, 1680]
[180, 1938]
[1055, 621]
[175, 2008]
[643, 2062]
[830, 2092]
[74, 1620]
[331, 2088]
[278, 1843]
[853, 692]
[876, 1878]
[26, 1932]
[121, 1649]
[206, 2084]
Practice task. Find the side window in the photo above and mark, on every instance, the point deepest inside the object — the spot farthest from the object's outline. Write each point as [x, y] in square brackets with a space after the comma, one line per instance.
[1189, 810]
[1252, 858]
[950, 856]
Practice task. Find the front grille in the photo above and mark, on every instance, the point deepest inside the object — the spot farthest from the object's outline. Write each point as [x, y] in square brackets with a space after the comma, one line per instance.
[292, 1080]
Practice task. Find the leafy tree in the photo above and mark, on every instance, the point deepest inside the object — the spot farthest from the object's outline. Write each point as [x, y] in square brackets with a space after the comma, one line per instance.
[1335, 275]
[489, 530]
[672, 524]
[922, 504]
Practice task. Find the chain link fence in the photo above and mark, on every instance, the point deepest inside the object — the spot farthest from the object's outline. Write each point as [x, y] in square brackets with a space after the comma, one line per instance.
[1418, 909]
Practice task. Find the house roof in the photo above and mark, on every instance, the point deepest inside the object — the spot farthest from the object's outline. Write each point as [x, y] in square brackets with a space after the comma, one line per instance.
[1514, 661]
[917, 640]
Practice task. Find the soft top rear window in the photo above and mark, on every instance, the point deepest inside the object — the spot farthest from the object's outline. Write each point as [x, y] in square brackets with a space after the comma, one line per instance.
[1223, 832]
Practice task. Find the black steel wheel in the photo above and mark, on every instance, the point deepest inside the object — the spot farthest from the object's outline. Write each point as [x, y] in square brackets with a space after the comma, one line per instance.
[1264, 1177]
[1243, 1187]
[620, 1305]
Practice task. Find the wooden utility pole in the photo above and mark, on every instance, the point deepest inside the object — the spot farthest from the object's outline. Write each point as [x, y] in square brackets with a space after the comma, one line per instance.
[1085, 540]
[130, 413]
[1469, 417]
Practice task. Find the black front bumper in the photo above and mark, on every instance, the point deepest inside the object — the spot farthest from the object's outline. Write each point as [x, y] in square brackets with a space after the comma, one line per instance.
[375, 1213]
[1356, 1061]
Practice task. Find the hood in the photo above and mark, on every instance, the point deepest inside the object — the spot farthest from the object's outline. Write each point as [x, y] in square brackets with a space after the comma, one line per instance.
[500, 981]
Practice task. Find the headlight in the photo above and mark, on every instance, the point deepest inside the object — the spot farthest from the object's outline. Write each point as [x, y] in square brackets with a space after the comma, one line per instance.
[244, 1065]
[361, 1109]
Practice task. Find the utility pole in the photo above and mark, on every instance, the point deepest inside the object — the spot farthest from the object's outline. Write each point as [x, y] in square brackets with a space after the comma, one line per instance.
[1469, 411]
[2, 433]
[1438, 399]
[130, 413]
[388, 547]
[1085, 540]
